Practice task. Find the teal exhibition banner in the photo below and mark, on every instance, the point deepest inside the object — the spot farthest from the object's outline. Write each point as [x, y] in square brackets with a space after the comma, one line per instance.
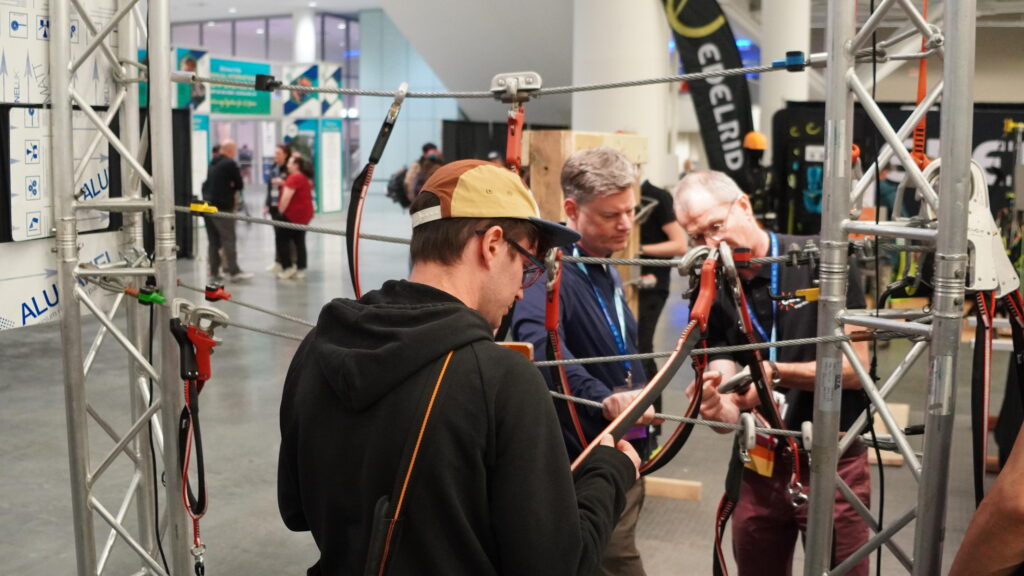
[236, 100]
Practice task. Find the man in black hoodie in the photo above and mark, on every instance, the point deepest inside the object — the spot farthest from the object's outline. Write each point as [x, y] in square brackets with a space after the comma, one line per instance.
[412, 443]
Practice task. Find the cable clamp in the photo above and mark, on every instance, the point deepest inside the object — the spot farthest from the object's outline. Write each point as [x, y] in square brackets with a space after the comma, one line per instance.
[512, 87]
[795, 61]
[267, 83]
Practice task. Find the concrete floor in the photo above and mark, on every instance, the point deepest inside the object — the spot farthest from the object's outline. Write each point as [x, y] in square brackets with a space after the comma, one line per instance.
[242, 530]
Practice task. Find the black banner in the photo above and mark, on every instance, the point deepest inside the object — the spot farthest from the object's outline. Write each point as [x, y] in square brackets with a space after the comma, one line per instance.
[799, 159]
[705, 43]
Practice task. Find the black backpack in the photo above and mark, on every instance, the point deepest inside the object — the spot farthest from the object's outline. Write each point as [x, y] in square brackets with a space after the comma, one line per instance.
[396, 188]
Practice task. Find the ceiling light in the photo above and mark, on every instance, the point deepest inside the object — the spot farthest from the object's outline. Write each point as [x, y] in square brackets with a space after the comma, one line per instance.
[232, 10]
[211, 23]
[259, 30]
[341, 26]
[312, 4]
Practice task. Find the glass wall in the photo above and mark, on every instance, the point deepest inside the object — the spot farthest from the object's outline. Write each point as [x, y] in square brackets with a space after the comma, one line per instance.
[281, 41]
[337, 39]
[251, 38]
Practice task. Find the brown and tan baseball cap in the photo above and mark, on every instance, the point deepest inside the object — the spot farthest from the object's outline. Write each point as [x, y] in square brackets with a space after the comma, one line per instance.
[478, 189]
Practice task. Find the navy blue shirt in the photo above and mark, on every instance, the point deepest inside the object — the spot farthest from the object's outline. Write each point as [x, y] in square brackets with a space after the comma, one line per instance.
[583, 332]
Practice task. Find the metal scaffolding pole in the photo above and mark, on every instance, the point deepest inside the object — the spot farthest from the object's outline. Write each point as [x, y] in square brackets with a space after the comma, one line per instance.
[131, 237]
[950, 275]
[833, 277]
[62, 164]
[165, 264]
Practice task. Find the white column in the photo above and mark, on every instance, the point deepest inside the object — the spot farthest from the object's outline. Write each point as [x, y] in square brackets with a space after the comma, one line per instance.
[785, 26]
[305, 39]
[613, 41]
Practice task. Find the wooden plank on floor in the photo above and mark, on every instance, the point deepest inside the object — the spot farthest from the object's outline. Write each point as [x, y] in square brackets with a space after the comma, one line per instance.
[672, 488]
[900, 413]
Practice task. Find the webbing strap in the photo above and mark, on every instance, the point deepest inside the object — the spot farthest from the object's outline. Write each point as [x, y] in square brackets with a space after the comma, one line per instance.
[981, 377]
[726, 506]
[388, 512]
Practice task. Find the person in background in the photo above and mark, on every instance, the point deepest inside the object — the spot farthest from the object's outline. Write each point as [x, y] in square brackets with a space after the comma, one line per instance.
[490, 491]
[245, 162]
[662, 238]
[414, 177]
[278, 173]
[599, 187]
[427, 167]
[222, 186]
[297, 207]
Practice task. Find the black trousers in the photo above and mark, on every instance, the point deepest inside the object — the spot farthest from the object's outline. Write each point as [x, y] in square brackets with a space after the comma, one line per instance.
[278, 240]
[292, 239]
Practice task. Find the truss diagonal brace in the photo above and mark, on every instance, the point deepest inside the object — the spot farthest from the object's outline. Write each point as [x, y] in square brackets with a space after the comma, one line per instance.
[115, 63]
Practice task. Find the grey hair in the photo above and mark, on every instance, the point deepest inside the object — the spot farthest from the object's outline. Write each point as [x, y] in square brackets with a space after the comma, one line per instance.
[716, 184]
[595, 173]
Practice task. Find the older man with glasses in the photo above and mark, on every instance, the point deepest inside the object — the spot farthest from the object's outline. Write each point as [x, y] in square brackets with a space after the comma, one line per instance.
[713, 210]
[599, 187]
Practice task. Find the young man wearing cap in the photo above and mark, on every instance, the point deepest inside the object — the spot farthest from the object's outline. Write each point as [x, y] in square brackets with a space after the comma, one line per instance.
[401, 405]
[598, 185]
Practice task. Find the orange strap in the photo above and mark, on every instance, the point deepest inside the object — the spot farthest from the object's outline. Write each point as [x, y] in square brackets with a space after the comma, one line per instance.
[920, 132]
[412, 463]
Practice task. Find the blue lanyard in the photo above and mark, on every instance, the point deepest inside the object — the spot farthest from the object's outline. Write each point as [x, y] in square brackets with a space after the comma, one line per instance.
[772, 352]
[618, 332]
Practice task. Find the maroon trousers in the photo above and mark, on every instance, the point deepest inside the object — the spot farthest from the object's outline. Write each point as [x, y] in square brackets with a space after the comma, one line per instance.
[765, 524]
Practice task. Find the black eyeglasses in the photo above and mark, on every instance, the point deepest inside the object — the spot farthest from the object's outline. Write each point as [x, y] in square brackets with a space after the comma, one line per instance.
[531, 271]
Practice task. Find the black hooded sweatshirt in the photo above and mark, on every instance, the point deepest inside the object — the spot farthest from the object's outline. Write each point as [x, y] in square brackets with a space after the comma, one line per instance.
[491, 492]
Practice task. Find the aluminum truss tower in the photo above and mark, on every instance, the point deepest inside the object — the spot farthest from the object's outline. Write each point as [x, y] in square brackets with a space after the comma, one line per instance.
[157, 404]
[948, 235]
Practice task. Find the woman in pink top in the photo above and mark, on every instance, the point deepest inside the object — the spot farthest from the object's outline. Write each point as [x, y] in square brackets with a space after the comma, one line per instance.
[296, 205]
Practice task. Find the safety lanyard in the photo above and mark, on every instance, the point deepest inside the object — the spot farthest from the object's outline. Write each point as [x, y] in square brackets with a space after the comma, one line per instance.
[619, 331]
[774, 289]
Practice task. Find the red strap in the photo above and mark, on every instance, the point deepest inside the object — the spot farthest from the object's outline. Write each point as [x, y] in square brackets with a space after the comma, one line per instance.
[514, 146]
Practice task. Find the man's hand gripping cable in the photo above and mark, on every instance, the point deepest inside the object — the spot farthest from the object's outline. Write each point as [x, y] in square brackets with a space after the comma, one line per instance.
[193, 327]
[694, 332]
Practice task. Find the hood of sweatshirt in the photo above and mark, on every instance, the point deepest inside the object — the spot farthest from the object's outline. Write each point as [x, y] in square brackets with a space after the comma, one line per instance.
[367, 348]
